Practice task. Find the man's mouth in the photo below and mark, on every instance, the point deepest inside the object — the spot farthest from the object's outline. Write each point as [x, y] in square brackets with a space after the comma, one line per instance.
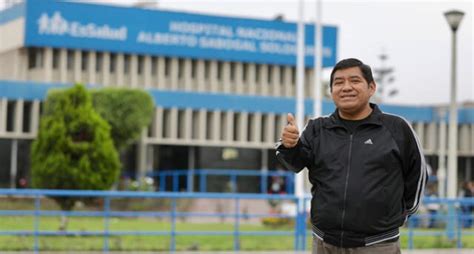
[347, 96]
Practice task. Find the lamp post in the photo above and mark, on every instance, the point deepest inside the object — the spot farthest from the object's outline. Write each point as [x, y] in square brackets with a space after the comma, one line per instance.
[454, 18]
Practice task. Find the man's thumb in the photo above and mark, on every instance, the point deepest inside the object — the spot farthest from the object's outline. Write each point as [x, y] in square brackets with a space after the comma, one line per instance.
[290, 119]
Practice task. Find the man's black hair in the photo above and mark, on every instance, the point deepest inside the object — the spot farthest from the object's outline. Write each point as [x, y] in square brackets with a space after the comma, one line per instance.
[353, 62]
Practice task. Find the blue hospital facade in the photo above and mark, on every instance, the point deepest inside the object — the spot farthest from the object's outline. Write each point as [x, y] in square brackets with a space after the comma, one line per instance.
[222, 86]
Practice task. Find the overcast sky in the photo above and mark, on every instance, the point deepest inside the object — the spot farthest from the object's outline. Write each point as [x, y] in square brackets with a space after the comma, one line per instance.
[414, 35]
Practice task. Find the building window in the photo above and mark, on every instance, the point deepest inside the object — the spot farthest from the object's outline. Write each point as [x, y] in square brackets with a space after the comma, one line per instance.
[270, 74]
[245, 72]
[219, 70]
[232, 71]
[27, 108]
[56, 58]
[282, 74]
[257, 73]
[194, 64]
[207, 69]
[84, 60]
[141, 61]
[11, 112]
[154, 66]
[35, 58]
[210, 124]
[167, 66]
[99, 59]
[181, 64]
[70, 59]
[113, 63]
[293, 75]
[126, 64]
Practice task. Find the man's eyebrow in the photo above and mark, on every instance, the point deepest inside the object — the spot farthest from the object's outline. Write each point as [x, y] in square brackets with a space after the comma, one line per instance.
[355, 76]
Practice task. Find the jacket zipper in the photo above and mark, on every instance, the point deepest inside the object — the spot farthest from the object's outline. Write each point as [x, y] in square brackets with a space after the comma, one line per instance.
[345, 189]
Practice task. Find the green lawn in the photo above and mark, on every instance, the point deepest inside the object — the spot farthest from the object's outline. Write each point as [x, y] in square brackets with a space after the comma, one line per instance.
[162, 243]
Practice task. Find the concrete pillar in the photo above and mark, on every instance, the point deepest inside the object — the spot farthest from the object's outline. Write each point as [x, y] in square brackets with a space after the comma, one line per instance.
[431, 136]
[269, 128]
[200, 79]
[147, 71]
[256, 128]
[472, 139]
[242, 133]
[106, 69]
[133, 71]
[162, 80]
[91, 67]
[78, 67]
[419, 129]
[309, 83]
[226, 83]
[35, 115]
[216, 125]
[141, 163]
[63, 71]
[172, 123]
[3, 115]
[228, 134]
[157, 125]
[251, 83]
[238, 83]
[18, 117]
[214, 84]
[119, 71]
[187, 80]
[289, 86]
[463, 138]
[263, 80]
[173, 79]
[187, 124]
[275, 85]
[48, 65]
[202, 124]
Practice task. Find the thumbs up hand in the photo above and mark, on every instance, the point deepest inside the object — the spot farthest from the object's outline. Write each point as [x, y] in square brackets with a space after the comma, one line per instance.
[290, 134]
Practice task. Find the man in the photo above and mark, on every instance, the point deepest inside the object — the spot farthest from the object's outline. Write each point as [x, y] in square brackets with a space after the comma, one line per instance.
[367, 168]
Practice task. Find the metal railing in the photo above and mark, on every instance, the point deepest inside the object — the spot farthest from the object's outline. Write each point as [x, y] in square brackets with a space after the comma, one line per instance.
[453, 218]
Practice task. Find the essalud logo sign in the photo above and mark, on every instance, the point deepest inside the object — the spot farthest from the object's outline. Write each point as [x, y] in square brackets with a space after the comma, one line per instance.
[58, 25]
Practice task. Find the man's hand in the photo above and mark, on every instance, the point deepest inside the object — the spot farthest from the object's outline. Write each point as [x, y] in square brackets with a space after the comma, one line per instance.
[290, 134]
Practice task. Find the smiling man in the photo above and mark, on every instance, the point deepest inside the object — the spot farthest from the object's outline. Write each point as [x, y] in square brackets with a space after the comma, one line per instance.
[366, 167]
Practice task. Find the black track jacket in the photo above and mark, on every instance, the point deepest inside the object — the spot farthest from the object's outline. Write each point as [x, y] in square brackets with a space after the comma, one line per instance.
[365, 183]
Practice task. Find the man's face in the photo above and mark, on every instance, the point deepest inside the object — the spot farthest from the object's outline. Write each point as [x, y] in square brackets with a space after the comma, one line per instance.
[350, 90]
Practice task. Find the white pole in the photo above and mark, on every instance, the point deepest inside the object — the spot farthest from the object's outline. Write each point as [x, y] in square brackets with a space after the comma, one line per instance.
[318, 60]
[299, 180]
[441, 173]
[453, 128]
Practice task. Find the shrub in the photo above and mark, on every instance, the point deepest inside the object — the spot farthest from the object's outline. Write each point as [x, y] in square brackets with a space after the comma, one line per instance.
[127, 111]
[73, 149]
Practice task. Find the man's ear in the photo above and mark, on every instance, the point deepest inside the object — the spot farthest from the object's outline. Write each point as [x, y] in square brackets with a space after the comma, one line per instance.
[372, 87]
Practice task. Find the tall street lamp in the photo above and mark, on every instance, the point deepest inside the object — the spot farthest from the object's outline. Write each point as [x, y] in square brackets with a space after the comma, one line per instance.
[454, 18]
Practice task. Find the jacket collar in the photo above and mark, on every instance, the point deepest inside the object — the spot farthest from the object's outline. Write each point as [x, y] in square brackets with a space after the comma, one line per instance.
[373, 118]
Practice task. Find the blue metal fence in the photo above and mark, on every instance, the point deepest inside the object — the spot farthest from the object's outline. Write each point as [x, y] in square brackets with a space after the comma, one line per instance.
[454, 219]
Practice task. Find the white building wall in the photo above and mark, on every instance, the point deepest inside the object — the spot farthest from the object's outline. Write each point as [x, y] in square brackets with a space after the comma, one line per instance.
[11, 37]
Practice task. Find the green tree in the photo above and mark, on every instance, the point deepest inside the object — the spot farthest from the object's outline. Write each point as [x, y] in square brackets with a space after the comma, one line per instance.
[73, 149]
[127, 111]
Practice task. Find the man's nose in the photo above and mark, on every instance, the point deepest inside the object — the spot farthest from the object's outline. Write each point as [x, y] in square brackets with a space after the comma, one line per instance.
[346, 86]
